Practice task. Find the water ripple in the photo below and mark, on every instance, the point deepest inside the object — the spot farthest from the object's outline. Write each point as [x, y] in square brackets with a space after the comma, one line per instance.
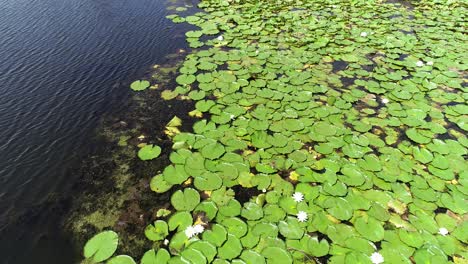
[60, 61]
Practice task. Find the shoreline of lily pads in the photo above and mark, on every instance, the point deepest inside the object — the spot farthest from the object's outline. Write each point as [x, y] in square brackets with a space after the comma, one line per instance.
[326, 132]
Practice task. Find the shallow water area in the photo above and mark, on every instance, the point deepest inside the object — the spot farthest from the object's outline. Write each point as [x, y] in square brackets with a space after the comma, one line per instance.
[65, 64]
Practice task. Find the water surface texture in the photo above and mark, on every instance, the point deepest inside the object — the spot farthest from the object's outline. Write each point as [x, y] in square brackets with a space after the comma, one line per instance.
[64, 64]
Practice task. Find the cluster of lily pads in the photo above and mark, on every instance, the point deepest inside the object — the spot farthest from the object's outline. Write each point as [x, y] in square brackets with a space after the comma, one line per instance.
[330, 131]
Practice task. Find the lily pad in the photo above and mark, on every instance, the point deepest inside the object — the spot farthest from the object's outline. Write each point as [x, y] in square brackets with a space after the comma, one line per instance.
[276, 255]
[149, 152]
[157, 231]
[185, 200]
[231, 249]
[139, 85]
[151, 257]
[121, 259]
[101, 246]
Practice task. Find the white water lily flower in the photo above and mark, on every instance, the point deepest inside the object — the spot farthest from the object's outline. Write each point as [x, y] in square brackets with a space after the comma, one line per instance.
[220, 38]
[419, 63]
[443, 231]
[264, 190]
[166, 242]
[376, 258]
[363, 34]
[298, 197]
[302, 216]
[198, 229]
[430, 63]
[190, 231]
[385, 100]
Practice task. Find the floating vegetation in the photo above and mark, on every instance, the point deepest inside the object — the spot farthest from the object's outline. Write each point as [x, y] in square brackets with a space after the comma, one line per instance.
[102, 246]
[328, 132]
[149, 152]
[139, 85]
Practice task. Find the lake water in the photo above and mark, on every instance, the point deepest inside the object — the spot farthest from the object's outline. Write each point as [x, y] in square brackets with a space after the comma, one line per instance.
[64, 64]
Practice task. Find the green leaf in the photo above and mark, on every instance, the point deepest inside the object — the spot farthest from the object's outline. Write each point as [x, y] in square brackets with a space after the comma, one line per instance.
[185, 79]
[235, 226]
[175, 174]
[101, 246]
[177, 243]
[291, 228]
[252, 257]
[369, 228]
[411, 238]
[185, 200]
[121, 259]
[159, 185]
[339, 208]
[231, 249]
[180, 220]
[355, 151]
[151, 257]
[325, 129]
[149, 152]
[208, 181]
[209, 207]
[252, 211]
[139, 85]
[212, 151]
[195, 256]
[422, 155]
[157, 231]
[318, 248]
[206, 248]
[416, 136]
[216, 235]
[276, 255]
[352, 176]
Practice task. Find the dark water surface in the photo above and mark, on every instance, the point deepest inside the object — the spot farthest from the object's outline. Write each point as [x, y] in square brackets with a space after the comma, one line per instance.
[64, 64]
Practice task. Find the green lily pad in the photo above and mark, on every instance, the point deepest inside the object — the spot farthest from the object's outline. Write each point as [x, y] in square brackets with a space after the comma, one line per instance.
[195, 256]
[339, 208]
[149, 152]
[151, 257]
[252, 257]
[369, 228]
[235, 226]
[101, 246]
[157, 231]
[422, 155]
[252, 211]
[185, 200]
[208, 181]
[139, 85]
[318, 248]
[121, 259]
[185, 79]
[206, 248]
[213, 151]
[276, 255]
[291, 228]
[231, 248]
[180, 221]
[159, 185]
[416, 136]
[216, 235]
[174, 175]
